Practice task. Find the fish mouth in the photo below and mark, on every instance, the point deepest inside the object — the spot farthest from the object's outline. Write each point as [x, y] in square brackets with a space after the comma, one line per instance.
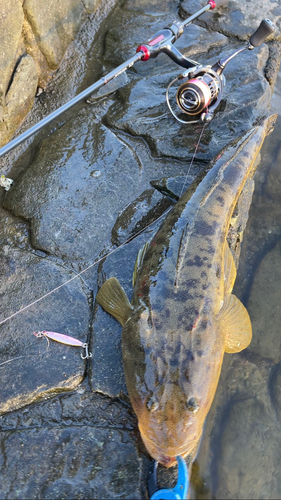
[167, 457]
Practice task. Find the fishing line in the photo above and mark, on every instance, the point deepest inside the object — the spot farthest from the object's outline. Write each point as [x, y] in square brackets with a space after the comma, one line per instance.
[193, 157]
[84, 270]
[26, 355]
[28, 306]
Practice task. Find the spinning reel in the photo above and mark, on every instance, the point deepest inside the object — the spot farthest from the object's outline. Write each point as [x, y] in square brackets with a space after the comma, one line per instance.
[202, 91]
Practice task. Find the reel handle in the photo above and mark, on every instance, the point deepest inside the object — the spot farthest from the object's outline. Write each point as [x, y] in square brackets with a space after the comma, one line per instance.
[265, 29]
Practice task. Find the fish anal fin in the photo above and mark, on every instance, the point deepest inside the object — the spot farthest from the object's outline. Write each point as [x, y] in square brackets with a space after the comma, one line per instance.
[113, 299]
[229, 270]
[235, 324]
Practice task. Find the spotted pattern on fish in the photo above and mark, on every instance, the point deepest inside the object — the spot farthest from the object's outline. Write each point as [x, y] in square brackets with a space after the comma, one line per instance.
[183, 311]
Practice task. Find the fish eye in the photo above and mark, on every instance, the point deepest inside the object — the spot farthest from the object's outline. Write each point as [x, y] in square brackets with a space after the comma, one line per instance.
[152, 404]
[192, 405]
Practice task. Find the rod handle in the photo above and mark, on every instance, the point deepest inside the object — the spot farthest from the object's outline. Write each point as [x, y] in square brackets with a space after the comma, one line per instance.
[265, 29]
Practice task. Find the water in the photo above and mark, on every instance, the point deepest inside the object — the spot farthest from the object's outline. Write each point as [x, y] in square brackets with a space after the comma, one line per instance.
[240, 455]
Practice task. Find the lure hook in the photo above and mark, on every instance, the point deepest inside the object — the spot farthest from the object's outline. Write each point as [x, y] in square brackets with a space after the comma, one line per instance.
[87, 353]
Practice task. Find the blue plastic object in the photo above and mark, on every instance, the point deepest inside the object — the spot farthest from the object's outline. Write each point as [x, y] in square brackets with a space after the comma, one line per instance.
[179, 492]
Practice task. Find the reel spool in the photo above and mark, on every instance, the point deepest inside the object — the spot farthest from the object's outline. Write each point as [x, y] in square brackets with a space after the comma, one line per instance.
[200, 95]
[197, 94]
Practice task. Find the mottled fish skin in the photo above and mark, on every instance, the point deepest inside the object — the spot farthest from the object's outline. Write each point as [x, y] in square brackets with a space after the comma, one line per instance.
[173, 342]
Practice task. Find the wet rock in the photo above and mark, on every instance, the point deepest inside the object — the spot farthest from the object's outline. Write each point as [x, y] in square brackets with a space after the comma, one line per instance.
[72, 196]
[240, 430]
[236, 18]
[78, 462]
[68, 204]
[30, 369]
[272, 63]
[275, 388]
[263, 228]
[138, 215]
[173, 187]
[88, 449]
[79, 408]
[13, 231]
[151, 7]
[109, 88]
[55, 25]
[71, 192]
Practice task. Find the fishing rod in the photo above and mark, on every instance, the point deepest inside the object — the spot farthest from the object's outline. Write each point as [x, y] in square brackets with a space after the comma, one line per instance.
[162, 41]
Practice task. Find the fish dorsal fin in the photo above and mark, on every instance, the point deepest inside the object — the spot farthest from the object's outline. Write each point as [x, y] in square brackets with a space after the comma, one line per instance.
[112, 297]
[229, 269]
[139, 261]
[235, 324]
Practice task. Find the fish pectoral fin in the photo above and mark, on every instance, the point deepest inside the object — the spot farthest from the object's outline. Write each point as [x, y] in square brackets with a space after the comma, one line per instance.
[112, 297]
[229, 270]
[236, 324]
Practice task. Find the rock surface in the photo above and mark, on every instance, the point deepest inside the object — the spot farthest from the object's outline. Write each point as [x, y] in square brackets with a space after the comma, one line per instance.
[35, 37]
[31, 369]
[82, 189]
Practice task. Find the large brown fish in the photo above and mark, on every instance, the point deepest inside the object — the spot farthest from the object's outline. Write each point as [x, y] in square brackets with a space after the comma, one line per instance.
[183, 316]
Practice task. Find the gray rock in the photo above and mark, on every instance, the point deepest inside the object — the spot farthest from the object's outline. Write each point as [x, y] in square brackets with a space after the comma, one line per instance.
[249, 452]
[77, 462]
[89, 451]
[101, 173]
[84, 187]
[138, 215]
[30, 369]
[13, 231]
[239, 19]
[173, 187]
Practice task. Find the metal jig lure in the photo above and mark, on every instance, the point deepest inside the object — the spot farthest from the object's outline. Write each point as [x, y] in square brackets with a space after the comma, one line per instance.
[65, 339]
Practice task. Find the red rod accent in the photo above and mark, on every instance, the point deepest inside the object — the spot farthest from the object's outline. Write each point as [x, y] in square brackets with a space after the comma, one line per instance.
[212, 3]
[146, 53]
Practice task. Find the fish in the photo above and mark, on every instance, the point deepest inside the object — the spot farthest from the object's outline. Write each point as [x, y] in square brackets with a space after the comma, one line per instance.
[183, 315]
